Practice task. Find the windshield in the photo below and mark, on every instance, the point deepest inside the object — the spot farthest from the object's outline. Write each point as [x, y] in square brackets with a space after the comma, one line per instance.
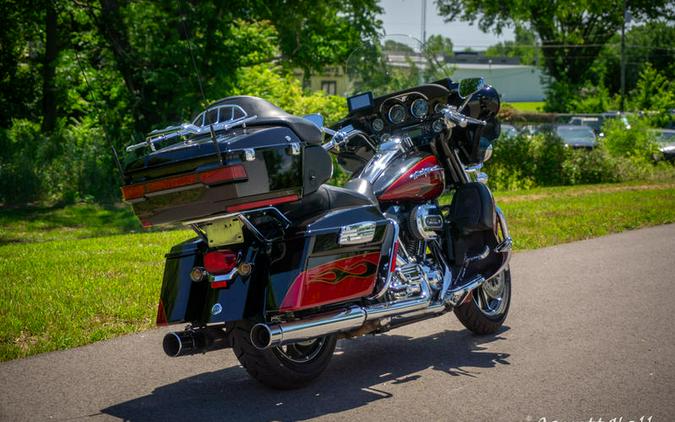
[585, 133]
[397, 62]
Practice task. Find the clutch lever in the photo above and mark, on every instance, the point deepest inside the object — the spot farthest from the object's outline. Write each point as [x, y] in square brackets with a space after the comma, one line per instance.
[340, 137]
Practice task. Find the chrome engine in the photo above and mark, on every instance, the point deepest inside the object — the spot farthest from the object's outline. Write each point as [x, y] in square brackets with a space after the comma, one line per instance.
[416, 270]
[425, 221]
[411, 279]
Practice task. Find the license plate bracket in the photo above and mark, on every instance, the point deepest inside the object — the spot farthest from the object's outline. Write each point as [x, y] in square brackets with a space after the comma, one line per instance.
[225, 231]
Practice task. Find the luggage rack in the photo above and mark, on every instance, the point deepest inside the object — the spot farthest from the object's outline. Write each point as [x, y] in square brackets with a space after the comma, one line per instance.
[243, 217]
[188, 129]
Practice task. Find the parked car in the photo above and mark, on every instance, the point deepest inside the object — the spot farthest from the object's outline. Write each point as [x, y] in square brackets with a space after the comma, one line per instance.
[593, 122]
[509, 131]
[531, 130]
[666, 141]
[577, 136]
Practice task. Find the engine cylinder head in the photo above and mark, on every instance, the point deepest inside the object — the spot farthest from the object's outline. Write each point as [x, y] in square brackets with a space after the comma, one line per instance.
[424, 221]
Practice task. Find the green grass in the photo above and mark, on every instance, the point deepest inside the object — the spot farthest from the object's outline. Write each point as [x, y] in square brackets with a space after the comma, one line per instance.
[549, 216]
[81, 221]
[528, 107]
[80, 274]
[66, 293]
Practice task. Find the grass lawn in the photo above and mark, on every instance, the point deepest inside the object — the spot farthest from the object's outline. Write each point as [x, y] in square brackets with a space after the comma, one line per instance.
[81, 274]
[528, 107]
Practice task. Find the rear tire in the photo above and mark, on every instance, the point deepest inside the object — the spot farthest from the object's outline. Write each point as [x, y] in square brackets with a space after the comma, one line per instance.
[486, 309]
[286, 368]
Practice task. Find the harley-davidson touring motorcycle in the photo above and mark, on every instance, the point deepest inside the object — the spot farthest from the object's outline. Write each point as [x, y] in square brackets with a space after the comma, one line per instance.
[284, 265]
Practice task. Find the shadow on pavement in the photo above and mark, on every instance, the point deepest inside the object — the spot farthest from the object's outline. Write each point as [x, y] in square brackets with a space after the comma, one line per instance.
[353, 379]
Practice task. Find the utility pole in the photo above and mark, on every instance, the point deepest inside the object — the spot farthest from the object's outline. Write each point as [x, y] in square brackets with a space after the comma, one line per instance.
[623, 59]
[424, 21]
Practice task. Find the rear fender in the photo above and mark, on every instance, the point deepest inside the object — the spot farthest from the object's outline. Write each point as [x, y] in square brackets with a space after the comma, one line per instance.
[185, 301]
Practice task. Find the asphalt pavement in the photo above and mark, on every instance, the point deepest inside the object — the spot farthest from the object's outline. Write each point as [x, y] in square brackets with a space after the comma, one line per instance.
[590, 336]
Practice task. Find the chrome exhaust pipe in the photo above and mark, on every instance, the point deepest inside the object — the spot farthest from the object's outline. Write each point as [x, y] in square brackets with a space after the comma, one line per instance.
[264, 336]
[190, 342]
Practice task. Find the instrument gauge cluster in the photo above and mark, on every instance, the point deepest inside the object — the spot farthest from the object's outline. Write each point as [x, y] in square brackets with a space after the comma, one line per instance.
[419, 108]
[415, 112]
[396, 114]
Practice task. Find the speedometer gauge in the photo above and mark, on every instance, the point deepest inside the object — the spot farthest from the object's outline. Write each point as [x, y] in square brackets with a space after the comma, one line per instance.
[396, 114]
[378, 125]
[419, 108]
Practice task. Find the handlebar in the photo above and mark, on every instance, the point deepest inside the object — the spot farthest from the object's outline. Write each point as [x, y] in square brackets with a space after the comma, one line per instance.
[340, 137]
[450, 114]
[453, 116]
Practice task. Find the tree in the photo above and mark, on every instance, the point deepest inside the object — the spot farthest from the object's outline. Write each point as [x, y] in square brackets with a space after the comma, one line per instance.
[439, 46]
[393, 46]
[649, 43]
[524, 47]
[572, 34]
[78, 75]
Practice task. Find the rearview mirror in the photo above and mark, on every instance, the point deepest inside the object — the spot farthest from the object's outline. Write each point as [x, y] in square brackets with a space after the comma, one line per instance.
[469, 86]
[316, 118]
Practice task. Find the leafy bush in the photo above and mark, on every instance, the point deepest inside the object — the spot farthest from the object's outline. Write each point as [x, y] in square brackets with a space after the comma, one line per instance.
[654, 94]
[19, 174]
[636, 142]
[71, 164]
[542, 160]
[524, 162]
[284, 90]
[596, 166]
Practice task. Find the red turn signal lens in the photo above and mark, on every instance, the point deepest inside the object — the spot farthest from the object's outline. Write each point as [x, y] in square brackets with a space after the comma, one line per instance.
[232, 173]
[220, 262]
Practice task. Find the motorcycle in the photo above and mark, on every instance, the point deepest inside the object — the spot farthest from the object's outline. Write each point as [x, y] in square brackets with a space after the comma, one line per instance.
[284, 264]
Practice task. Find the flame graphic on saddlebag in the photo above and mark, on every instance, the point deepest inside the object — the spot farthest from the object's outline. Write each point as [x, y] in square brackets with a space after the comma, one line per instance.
[332, 282]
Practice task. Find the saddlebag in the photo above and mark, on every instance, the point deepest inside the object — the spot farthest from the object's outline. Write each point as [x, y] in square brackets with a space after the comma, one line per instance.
[337, 256]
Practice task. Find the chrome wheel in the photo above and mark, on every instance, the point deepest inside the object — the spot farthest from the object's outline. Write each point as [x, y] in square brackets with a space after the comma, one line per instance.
[493, 296]
[301, 352]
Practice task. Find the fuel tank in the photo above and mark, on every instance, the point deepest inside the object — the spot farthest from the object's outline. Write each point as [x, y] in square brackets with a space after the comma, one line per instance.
[415, 177]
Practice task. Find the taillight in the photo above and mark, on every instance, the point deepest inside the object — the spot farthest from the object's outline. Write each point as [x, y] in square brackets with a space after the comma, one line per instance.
[263, 203]
[220, 175]
[220, 262]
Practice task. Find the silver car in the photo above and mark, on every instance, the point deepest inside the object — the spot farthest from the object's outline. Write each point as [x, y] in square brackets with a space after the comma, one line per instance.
[577, 136]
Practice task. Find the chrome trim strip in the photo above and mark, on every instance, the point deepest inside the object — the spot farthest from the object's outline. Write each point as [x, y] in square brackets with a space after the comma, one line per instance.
[224, 277]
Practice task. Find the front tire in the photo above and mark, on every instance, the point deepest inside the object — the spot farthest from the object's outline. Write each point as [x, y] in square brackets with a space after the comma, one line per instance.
[286, 367]
[488, 306]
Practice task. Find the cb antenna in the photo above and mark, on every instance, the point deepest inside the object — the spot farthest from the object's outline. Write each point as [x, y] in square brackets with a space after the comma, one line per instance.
[192, 55]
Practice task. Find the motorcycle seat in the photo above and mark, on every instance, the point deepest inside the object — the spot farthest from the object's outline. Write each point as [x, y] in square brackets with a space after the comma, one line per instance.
[325, 198]
[269, 114]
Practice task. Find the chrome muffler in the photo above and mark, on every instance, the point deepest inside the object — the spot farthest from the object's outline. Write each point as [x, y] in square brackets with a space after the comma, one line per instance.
[264, 336]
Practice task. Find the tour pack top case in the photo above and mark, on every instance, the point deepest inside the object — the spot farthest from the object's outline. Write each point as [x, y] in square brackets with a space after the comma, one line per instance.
[263, 157]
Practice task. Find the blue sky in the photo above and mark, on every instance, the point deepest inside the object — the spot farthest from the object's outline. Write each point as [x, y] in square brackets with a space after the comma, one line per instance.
[405, 16]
